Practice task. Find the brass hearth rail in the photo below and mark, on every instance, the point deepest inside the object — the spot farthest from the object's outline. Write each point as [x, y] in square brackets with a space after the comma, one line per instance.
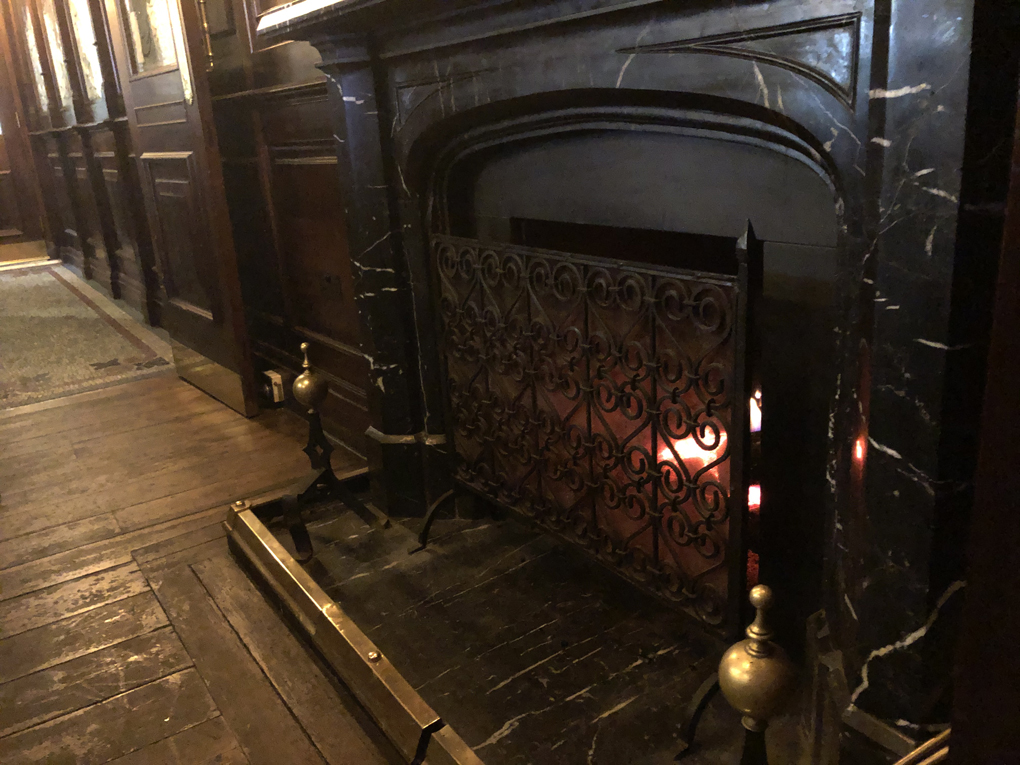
[413, 727]
[930, 752]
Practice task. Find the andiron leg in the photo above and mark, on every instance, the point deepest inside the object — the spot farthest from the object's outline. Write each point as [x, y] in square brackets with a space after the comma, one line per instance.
[695, 709]
[430, 518]
[754, 748]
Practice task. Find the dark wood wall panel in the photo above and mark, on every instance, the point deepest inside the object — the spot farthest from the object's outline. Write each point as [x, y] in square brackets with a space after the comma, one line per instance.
[21, 218]
[11, 218]
[42, 164]
[169, 180]
[280, 171]
[253, 238]
[90, 226]
[69, 245]
[132, 251]
[10, 213]
[315, 258]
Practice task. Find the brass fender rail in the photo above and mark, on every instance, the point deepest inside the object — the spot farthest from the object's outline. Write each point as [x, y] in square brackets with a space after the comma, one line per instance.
[933, 751]
[413, 727]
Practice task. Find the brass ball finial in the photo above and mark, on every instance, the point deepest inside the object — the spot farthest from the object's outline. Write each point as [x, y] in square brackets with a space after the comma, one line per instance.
[755, 675]
[759, 631]
[310, 388]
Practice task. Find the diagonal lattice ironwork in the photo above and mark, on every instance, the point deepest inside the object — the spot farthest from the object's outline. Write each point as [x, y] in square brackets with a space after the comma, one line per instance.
[598, 399]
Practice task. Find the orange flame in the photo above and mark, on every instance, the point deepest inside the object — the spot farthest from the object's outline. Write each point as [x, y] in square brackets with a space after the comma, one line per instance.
[690, 452]
[754, 497]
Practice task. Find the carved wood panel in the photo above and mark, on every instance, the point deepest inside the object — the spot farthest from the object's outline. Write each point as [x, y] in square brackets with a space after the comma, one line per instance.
[169, 181]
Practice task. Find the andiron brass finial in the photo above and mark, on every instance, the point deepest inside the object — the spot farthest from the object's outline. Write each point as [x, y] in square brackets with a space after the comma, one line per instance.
[757, 677]
[310, 388]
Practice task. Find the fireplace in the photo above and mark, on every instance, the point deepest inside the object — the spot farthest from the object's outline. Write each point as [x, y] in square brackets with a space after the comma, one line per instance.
[699, 290]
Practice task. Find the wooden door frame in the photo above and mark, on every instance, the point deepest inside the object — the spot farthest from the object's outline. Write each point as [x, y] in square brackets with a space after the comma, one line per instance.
[19, 147]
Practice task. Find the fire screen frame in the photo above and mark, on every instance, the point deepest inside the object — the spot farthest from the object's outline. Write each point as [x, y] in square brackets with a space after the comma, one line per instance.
[549, 383]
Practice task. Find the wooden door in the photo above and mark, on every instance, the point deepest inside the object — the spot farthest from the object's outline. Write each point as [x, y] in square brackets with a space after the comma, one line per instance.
[169, 111]
[20, 205]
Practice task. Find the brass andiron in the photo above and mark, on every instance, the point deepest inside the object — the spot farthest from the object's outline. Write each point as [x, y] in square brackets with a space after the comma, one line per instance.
[310, 389]
[757, 678]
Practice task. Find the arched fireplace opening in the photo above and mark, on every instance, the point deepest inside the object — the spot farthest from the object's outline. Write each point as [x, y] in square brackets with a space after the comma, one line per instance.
[628, 196]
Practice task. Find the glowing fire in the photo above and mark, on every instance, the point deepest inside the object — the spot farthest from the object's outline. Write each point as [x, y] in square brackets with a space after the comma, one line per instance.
[753, 497]
[691, 453]
[859, 449]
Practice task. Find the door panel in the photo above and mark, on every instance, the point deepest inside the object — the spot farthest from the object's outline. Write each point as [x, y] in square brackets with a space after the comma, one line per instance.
[158, 45]
[169, 179]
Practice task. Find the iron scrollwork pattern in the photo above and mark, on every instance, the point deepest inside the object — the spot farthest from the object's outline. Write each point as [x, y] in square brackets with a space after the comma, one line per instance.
[597, 399]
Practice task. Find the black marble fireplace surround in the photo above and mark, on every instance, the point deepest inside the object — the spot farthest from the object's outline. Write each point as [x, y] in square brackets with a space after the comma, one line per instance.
[864, 143]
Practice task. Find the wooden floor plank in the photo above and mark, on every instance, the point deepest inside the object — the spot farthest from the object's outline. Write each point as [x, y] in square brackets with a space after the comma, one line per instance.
[95, 557]
[145, 500]
[115, 727]
[167, 547]
[88, 679]
[264, 726]
[191, 432]
[251, 459]
[20, 470]
[66, 639]
[69, 598]
[327, 714]
[144, 415]
[137, 390]
[57, 539]
[217, 493]
[25, 512]
[121, 467]
[157, 567]
[211, 743]
[211, 494]
[147, 402]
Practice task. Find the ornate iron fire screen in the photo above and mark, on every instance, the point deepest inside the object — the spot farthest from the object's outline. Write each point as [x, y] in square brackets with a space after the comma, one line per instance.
[599, 399]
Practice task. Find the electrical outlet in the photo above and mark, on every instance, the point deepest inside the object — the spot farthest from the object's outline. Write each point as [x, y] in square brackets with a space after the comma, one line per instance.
[275, 387]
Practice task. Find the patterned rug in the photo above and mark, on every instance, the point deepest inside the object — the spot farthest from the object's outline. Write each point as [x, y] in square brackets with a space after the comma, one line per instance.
[59, 336]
